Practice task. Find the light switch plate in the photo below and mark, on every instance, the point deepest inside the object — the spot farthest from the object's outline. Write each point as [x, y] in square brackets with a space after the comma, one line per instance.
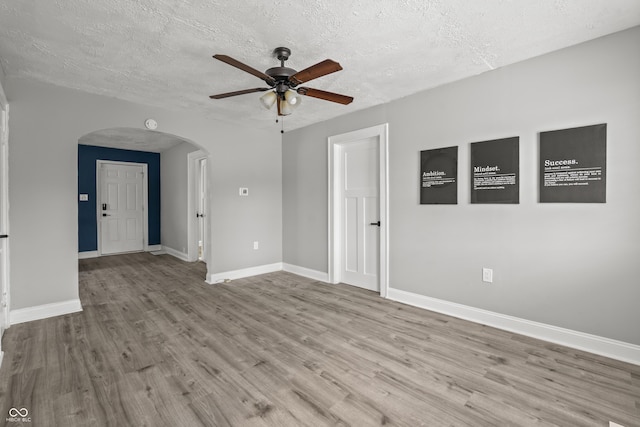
[84, 197]
[244, 191]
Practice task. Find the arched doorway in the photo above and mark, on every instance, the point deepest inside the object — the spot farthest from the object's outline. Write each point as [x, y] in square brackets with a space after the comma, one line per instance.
[169, 212]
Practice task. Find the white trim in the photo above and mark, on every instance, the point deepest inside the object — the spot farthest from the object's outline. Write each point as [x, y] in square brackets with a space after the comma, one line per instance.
[145, 201]
[618, 350]
[96, 254]
[192, 222]
[245, 272]
[175, 253]
[88, 254]
[45, 311]
[5, 288]
[306, 272]
[334, 204]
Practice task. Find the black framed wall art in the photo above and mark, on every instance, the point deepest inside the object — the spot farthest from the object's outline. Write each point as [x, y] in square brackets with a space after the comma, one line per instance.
[573, 165]
[495, 170]
[439, 176]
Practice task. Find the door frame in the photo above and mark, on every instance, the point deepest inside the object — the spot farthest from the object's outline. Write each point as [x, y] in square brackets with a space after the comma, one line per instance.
[193, 172]
[335, 175]
[145, 201]
[5, 288]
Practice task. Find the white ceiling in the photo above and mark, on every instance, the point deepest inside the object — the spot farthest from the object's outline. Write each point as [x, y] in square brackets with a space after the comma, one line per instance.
[132, 139]
[158, 52]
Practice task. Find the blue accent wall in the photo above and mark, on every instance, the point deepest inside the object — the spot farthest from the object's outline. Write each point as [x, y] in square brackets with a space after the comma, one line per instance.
[87, 214]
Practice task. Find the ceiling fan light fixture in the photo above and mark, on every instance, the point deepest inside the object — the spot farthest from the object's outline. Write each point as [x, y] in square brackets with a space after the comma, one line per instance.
[268, 99]
[292, 98]
[285, 107]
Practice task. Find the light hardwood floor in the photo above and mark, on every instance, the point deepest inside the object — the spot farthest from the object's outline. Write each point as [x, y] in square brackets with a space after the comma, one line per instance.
[156, 346]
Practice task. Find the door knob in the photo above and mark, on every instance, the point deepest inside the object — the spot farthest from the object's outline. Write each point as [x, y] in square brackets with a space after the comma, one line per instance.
[104, 214]
[375, 223]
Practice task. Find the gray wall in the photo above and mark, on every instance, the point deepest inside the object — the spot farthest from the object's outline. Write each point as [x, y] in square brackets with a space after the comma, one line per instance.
[2, 84]
[569, 265]
[174, 182]
[1, 77]
[45, 125]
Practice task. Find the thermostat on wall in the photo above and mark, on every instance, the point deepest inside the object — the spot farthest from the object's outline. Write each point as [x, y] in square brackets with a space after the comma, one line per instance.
[150, 124]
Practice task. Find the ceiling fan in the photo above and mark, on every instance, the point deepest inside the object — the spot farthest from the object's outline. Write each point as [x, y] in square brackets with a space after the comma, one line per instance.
[283, 82]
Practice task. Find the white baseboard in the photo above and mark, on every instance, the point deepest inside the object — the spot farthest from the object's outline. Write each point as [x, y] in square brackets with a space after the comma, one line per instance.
[44, 311]
[175, 253]
[87, 254]
[245, 272]
[306, 272]
[618, 350]
[94, 254]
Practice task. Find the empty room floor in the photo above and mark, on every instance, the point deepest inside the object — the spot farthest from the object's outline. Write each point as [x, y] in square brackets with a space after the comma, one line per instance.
[157, 346]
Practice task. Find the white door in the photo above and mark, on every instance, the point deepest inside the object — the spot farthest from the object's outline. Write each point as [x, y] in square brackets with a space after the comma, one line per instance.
[202, 208]
[4, 218]
[197, 206]
[359, 163]
[121, 207]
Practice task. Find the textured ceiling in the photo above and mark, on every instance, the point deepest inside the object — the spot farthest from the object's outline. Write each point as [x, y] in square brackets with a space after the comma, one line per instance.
[158, 52]
[132, 139]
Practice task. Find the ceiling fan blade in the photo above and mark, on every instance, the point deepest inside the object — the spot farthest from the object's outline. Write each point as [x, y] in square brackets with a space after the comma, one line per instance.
[323, 68]
[244, 67]
[327, 96]
[239, 92]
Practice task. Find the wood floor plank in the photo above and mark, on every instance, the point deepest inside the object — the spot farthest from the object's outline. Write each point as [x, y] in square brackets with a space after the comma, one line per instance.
[156, 346]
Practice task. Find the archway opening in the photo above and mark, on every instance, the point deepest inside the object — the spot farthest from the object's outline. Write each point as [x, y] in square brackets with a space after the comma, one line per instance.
[172, 219]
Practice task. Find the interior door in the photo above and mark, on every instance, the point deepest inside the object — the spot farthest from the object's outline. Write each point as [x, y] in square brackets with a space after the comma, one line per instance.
[120, 209]
[360, 191]
[4, 218]
[202, 208]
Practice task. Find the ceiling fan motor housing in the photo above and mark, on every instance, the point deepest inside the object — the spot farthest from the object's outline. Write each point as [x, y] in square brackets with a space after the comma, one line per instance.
[281, 74]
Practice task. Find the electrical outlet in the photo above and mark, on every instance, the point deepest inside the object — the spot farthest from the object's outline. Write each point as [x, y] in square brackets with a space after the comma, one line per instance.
[256, 246]
[487, 275]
